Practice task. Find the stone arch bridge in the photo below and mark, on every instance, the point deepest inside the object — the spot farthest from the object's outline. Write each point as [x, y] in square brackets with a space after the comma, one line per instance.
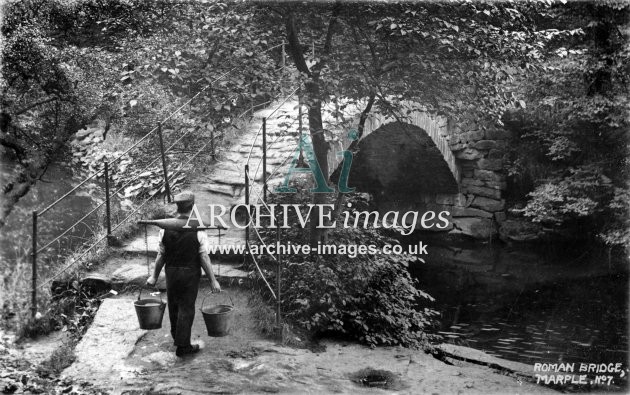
[419, 161]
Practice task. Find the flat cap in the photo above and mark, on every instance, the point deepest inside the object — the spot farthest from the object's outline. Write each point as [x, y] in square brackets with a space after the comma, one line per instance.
[185, 196]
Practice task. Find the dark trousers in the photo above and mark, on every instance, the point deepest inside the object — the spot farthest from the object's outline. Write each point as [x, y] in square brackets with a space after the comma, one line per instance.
[182, 284]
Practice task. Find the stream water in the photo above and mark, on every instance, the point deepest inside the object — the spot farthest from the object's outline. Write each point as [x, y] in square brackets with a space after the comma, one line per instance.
[16, 236]
[528, 305]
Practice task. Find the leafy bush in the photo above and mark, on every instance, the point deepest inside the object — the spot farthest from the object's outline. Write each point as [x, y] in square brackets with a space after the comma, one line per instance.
[71, 308]
[578, 194]
[374, 301]
[369, 298]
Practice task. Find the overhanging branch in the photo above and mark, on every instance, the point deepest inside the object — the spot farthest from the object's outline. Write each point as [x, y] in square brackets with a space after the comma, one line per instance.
[332, 24]
[33, 105]
[295, 48]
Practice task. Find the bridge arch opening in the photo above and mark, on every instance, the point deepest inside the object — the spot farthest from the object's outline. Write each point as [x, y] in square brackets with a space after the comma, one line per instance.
[400, 161]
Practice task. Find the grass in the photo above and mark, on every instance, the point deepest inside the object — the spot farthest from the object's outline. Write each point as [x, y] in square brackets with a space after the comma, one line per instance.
[15, 299]
[263, 315]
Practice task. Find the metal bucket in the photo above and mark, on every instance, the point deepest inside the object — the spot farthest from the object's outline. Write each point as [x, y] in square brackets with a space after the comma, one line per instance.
[218, 318]
[150, 312]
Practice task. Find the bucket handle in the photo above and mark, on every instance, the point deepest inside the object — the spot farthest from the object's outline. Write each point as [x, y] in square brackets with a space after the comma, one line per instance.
[204, 300]
[159, 294]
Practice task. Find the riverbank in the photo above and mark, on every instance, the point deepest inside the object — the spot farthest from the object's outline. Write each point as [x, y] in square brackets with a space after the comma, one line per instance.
[116, 357]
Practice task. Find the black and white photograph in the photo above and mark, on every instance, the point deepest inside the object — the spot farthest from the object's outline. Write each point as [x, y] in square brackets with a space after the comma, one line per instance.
[314, 197]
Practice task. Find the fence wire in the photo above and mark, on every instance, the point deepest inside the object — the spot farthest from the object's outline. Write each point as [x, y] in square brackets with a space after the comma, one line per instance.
[161, 186]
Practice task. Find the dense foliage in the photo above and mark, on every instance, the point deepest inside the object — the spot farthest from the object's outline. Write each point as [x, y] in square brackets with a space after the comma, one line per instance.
[129, 65]
[475, 62]
[557, 69]
[552, 73]
[72, 310]
[569, 167]
[369, 298]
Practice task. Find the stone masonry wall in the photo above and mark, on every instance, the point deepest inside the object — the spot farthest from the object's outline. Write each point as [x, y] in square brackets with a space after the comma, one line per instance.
[475, 157]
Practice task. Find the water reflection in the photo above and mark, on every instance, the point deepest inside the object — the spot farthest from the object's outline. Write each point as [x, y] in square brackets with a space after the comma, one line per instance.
[580, 321]
[529, 306]
[15, 240]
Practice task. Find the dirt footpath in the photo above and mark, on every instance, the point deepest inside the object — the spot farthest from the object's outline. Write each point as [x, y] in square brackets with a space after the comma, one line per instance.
[120, 358]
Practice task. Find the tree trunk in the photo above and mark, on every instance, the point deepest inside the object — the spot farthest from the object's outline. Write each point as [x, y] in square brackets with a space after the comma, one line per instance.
[320, 146]
[314, 103]
[340, 199]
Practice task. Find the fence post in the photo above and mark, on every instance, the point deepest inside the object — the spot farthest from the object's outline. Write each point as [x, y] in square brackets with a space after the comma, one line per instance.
[247, 203]
[300, 114]
[251, 101]
[264, 158]
[283, 56]
[108, 216]
[167, 187]
[283, 65]
[212, 153]
[278, 278]
[34, 268]
[190, 103]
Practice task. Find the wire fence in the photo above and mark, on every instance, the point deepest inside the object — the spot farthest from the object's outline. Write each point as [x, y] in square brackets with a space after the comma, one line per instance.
[261, 197]
[163, 186]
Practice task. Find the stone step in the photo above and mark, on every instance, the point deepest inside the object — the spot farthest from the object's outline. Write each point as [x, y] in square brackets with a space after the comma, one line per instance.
[284, 141]
[136, 272]
[239, 159]
[138, 245]
[232, 236]
[276, 161]
[231, 178]
[222, 189]
[245, 150]
[229, 166]
[236, 185]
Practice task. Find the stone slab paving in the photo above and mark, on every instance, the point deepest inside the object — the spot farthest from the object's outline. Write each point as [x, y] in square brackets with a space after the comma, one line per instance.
[111, 338]
[224, 183]
[119, 271]
[116, 356]
[139, 247]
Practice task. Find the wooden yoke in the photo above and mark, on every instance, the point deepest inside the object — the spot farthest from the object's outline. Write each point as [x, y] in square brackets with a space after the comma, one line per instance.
[178, 224]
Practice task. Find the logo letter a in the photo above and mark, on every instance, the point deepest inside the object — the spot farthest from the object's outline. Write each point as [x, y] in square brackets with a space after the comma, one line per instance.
[320, 180]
